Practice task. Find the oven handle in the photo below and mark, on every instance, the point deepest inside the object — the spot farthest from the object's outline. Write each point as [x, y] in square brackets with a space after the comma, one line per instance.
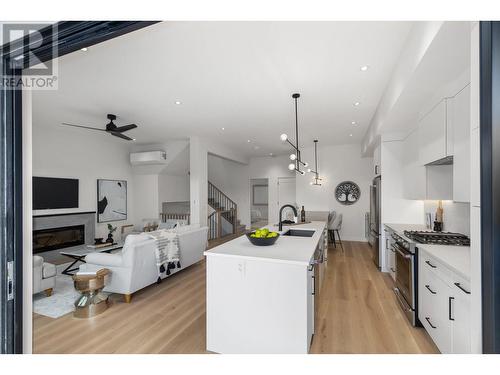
[406, 256]
[401, 303]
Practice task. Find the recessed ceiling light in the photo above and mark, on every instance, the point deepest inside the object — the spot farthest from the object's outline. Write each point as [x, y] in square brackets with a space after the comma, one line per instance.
[353, 122]
[134, 139]
[271, 154]
[248, 140]
[223, 128]
[356, 104]
[364, 68]
[178, 102]
[84, 49]
[350, 135]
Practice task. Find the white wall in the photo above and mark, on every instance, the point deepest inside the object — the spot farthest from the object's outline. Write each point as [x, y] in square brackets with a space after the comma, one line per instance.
[172, 188]
[145, 200]
[232, 179]
[456, 216]
[336, 164]
[74, 153]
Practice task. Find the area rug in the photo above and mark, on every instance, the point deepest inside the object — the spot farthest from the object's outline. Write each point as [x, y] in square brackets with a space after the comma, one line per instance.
[62, 300]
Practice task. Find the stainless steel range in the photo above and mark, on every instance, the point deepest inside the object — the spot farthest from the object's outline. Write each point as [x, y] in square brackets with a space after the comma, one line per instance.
[438, 238]
[406, 276]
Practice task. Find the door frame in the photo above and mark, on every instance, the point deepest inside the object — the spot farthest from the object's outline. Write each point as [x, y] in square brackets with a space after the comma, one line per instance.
[490, 183]
[68, 36]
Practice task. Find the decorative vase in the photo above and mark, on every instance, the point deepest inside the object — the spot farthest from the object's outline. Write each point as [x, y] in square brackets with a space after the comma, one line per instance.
[110, 238]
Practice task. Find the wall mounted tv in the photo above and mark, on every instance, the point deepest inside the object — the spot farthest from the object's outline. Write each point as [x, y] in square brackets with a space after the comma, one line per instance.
[52, 193]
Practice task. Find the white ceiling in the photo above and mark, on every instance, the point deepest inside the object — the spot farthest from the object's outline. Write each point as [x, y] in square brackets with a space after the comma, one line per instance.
[236, 75]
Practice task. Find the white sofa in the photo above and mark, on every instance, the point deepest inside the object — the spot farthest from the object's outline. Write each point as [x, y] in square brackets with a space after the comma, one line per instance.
[44, 276]
[134, 267]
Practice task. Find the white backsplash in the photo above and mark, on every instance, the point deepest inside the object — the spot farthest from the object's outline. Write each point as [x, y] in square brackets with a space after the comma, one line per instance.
[456, 216]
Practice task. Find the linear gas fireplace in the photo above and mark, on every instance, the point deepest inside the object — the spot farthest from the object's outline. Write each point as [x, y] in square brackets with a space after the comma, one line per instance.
[58, 238]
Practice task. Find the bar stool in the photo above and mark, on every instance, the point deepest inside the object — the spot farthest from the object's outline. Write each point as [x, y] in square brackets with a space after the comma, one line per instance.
[336, 227]
[331, 220]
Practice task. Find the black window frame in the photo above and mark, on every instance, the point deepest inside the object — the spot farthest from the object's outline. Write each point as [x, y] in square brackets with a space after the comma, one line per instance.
[70, 36]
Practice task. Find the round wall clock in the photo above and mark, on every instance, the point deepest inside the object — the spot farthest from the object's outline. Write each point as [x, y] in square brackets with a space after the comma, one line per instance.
[347, 192]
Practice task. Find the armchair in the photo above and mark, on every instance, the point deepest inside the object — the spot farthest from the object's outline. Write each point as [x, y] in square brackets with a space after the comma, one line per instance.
[44, 276]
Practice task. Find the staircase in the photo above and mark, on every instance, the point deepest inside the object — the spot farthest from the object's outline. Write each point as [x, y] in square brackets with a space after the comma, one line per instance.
[224, 220]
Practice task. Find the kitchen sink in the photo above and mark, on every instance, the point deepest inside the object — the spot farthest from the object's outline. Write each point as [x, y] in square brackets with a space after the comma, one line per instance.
[299, 233]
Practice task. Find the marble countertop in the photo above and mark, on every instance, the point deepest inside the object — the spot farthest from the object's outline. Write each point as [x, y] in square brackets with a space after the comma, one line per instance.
[297, 250]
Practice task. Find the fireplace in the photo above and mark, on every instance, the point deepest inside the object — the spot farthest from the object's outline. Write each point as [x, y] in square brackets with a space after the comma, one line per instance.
[58, 238]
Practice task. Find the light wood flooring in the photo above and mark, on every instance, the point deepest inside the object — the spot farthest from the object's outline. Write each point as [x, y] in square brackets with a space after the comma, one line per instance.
[358, 313]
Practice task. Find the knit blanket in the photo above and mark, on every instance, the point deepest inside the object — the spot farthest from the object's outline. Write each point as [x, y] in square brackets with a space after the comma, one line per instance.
[167, 251]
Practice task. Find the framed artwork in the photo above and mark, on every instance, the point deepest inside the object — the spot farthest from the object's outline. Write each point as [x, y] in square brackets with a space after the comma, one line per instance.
[260, 195]
[111, 200]
[347, 192]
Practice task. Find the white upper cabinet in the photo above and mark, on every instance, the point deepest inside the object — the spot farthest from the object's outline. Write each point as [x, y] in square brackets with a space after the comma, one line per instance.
[460, 119]
[414, 174]
[432, 134]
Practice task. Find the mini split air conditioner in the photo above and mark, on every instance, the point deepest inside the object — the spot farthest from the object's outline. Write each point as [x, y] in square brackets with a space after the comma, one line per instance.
[148, 158]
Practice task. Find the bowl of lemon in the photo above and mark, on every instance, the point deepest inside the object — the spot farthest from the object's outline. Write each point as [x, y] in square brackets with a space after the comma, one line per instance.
[263, 237]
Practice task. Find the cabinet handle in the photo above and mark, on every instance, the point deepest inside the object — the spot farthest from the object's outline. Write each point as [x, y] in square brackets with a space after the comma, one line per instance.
[449, 307]
[430, 264]
[376, 169]
[314, 285]
[461, 288]
[430, 290]
[429, 321]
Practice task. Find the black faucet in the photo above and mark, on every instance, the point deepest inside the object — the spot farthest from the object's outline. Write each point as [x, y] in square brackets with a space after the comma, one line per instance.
[281, 211]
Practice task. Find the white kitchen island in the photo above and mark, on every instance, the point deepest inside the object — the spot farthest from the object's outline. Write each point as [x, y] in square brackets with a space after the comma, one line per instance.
[260, 299]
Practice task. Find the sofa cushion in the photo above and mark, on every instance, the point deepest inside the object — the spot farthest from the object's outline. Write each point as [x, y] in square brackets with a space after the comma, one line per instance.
[49, 270]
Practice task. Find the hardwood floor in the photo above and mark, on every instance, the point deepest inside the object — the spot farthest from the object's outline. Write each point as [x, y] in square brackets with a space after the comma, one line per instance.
[358, 314]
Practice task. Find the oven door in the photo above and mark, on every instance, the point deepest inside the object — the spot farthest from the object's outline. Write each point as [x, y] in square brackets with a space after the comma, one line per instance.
[405, 288]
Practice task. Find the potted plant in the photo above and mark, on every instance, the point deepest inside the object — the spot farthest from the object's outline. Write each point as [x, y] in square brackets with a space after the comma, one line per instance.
[111, 229]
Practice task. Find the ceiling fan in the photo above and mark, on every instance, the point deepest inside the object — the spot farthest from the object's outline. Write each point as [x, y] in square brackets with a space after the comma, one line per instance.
[110, 128]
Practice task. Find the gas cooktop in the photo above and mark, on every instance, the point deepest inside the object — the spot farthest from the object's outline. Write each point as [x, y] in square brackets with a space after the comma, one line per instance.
[438, 238]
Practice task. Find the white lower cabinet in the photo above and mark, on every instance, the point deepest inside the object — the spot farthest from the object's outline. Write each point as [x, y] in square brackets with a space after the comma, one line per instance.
[444, 305]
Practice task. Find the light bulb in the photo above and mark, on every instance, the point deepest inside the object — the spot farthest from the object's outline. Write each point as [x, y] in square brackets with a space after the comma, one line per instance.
[302, 173]
[291, 166]
[283, 137]
[306, 164]
[309, 170]
[293, 157]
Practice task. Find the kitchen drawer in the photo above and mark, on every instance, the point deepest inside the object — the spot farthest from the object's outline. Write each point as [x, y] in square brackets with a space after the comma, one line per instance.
[431, 264]
[434, 310]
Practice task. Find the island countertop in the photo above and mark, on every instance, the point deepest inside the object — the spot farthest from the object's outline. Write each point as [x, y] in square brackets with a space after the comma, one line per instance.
[297, 250]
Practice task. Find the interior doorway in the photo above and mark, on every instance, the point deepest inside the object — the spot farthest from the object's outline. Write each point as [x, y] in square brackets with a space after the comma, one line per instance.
[259, 202]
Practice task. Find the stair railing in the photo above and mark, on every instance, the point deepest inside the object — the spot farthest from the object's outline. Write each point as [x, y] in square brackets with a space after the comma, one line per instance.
[224, 207]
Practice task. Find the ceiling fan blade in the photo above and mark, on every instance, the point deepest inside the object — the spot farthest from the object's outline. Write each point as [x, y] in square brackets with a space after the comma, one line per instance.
[125, 128]
[120, 135]
[84, 127]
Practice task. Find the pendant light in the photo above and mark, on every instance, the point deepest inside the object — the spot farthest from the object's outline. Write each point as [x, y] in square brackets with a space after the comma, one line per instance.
[296, 161]
[316, 180]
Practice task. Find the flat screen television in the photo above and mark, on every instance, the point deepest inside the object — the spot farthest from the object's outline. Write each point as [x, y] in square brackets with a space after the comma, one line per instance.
[52, 193]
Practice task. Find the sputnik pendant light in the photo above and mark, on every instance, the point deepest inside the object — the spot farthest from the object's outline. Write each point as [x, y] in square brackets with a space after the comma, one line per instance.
[296, 161]
[316, 180]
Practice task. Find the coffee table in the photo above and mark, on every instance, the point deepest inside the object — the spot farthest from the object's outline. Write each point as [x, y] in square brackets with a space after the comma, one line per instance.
[78, 254]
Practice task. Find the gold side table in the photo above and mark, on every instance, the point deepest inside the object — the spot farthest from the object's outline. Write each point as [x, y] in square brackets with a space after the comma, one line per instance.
[92, 301]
